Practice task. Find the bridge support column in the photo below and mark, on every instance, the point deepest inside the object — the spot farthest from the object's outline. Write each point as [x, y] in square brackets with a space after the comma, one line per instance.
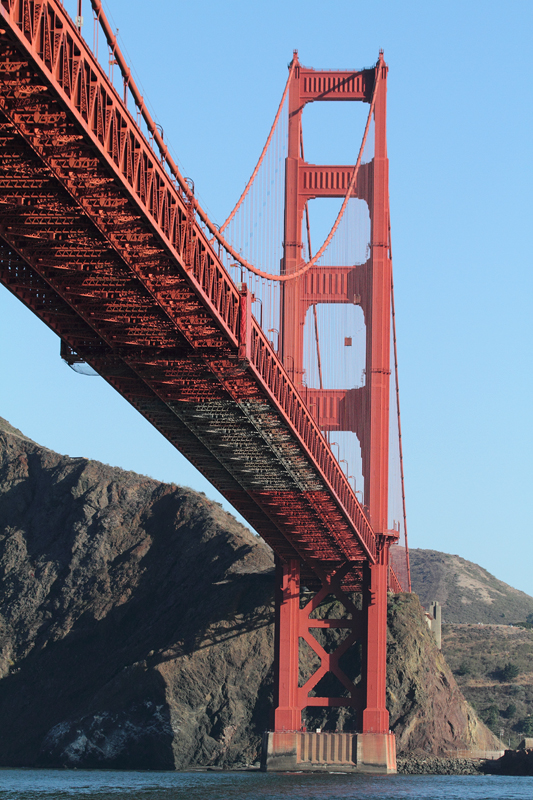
[377, 745]
[289, 746]
[287, 714]
[375, 714]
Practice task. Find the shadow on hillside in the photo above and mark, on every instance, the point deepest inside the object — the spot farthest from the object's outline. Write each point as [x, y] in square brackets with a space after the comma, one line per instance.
[186, 596]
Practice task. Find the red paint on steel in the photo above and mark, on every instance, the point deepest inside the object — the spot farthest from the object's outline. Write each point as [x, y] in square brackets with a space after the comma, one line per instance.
[287, 715]
[364, 410]
[294, 624]
[330, 661]
[375, 714]
[102, 173]
[245, 327]
[375, 448]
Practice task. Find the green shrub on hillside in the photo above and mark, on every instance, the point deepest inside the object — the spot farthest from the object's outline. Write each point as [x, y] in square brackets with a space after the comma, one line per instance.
[525, 726]
[510, 711]
[491, 717]
[509, 671]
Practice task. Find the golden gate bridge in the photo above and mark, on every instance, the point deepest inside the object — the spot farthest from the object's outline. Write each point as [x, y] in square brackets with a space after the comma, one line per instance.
[271, 367]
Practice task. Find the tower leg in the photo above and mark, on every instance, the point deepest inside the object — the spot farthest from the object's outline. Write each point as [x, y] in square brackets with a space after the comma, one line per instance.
[375, 715]
[287, 714]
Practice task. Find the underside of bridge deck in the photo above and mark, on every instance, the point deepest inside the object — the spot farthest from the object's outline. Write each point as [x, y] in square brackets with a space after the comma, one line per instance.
[77, 250]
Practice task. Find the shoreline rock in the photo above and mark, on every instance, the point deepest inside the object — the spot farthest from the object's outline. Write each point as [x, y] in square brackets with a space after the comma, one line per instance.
[435, 765]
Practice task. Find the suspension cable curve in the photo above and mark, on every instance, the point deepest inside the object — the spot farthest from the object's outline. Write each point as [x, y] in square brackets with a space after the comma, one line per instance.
[262, 156]
[137, 96]
[305, 267]
[186, 189]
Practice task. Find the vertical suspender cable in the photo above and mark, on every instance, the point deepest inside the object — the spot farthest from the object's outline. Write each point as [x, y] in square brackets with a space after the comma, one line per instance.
[309, 255]
[399, 431]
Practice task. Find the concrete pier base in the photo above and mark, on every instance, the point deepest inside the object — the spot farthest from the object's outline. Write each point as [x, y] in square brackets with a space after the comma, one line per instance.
[346, 752]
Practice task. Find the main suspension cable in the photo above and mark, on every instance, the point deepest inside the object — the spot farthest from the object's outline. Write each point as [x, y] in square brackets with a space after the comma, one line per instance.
[305, 267]
[263, 153]
[183, 184]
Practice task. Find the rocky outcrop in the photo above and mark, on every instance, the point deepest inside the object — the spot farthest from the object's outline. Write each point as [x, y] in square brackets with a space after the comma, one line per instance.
[427, 710]
[136, 619]
[136, 626]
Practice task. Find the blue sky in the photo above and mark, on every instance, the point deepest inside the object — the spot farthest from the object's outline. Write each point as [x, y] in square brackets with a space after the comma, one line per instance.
[459, 133]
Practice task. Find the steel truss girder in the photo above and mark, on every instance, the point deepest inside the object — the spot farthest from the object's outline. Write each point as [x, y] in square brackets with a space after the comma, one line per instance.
[294, 624]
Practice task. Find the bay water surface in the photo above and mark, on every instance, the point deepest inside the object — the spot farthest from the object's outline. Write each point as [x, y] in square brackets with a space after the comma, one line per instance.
[29, 784]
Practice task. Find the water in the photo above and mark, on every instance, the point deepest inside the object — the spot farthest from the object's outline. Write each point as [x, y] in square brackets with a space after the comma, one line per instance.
[88, 785]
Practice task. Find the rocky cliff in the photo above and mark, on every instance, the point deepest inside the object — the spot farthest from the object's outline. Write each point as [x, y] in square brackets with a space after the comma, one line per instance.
[427, 710]
[136, 626]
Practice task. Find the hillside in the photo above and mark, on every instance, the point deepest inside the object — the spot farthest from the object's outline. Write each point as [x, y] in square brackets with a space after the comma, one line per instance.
[466, 591]
[136, 627]
[478, 655]
[428, 713]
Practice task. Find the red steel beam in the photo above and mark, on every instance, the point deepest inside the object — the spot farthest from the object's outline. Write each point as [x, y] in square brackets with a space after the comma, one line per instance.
[319, 180]
[336, 84]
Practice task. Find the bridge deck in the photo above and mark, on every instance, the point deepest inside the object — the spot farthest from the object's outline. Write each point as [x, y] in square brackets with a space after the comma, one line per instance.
[98, 241]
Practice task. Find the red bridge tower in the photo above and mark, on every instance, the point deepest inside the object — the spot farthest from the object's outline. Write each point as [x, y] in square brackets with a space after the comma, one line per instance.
[364, 411]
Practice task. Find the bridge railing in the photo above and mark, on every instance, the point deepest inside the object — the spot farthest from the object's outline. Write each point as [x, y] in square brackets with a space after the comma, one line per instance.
[272, 373]
[394, 584]
[67, 63]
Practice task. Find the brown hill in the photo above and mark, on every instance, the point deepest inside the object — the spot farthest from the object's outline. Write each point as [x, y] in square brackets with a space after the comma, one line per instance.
[466, 591]
[136, 627]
